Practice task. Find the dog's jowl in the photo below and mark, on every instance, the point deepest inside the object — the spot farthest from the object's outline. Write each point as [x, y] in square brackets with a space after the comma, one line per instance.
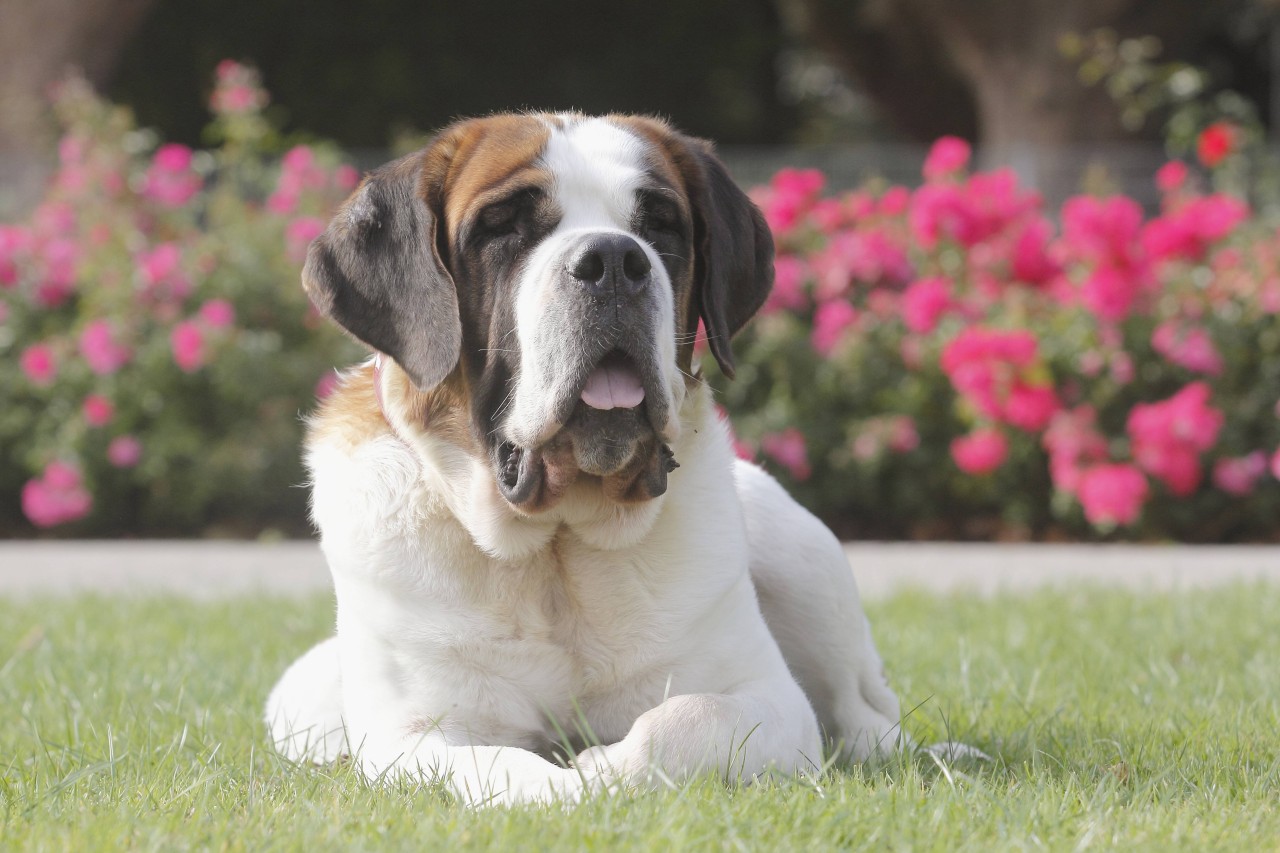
[552, 575]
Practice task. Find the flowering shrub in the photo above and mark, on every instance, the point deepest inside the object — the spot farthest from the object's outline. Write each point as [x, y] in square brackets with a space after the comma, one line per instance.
[160, 347]
[951, 360]
[1085, 370]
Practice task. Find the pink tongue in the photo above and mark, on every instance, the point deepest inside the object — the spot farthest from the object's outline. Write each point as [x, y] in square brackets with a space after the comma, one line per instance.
[613, 386]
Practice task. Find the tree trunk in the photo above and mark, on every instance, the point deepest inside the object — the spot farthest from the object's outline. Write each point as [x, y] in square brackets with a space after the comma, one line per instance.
[891, 55]
[40, 40]
[992, 70]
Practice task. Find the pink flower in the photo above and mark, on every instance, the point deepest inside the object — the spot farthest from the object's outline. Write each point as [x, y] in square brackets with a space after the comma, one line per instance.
[1110, 292]
[830, 322]
[788, 198]
[788, 449]
[99, 349]
[924, 302]
[868, 255]
[1102, 230]
[169, 181]
[867, 445]
[160, 263]
[72, 149]
[217, 314]
[124, 451]
[227, 69]
[327, 384]
[39, 365]
[903, 437]
[1217, 142]
[1275, 464]
[942, 212]
[1122, 369]
[828, 214]
[236, 98]
[1239, 475]
[300, 172]
[56, 497]
[1073, 442]
[895, 432]
[15, 242]
[803, 183]
[54, 219]
[172, 158]
[788, 294]
[346, 177]
[1030, 407]
[1189, 347]
[981, 451]
[1112, 494]
[299, 233]
[161, 271]
[282, 203]
[1172, 176]
[97, 410]
[1188, 231]
[60, 258]
[299, 160]
[1169, 436]
[948, 156]
[187, 342]
[999, 373]
[1031, 261]
[894, 202]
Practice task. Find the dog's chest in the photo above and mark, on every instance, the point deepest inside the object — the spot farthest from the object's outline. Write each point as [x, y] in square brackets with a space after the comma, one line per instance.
[591, 616]
[519, 648]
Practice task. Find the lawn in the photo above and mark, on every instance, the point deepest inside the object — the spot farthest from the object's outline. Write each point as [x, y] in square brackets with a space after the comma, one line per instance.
[1116, 721]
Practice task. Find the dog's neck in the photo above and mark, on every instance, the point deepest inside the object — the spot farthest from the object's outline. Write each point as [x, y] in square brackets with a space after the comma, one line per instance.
[458, 470]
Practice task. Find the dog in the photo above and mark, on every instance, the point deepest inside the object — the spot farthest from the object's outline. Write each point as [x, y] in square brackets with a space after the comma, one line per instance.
[552, 574]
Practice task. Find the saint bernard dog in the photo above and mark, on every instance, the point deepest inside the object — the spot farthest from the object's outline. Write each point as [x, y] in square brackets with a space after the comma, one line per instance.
[552, 575]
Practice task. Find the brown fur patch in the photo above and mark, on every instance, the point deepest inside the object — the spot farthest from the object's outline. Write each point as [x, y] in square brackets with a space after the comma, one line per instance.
[440, 412]
[480, 156]
[352, 416]
[349, 416]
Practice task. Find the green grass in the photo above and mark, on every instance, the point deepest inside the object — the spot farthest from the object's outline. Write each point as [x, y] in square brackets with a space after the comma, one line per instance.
[1117, 721]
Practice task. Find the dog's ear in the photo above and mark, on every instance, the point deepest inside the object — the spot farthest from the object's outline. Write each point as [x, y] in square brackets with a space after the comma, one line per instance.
[377, 272]
[733, 269]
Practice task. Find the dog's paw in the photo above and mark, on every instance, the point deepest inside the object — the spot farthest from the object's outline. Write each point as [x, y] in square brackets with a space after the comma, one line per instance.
[952, 751]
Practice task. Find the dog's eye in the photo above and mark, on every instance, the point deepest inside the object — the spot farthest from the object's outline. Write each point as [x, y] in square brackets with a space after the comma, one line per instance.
[660, 214]
[500, 219]
[512, 215]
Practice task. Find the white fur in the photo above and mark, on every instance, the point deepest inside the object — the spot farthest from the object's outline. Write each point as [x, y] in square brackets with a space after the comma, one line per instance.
[455, 664]
[716, 628]
[595, 168]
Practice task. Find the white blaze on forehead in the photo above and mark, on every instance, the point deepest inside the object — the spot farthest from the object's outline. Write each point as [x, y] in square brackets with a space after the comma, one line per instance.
[596, 168]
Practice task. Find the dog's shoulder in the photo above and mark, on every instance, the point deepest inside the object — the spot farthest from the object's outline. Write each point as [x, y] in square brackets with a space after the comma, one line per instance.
[349, 416]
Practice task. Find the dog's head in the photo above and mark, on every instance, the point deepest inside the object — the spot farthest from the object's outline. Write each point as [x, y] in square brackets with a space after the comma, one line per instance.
[551, 270]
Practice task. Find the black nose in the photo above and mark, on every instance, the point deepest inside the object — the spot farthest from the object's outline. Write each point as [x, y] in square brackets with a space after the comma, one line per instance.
[611, 260]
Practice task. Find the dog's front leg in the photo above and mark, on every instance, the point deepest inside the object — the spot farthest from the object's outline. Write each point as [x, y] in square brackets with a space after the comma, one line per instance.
[478, 775]
[757, 728]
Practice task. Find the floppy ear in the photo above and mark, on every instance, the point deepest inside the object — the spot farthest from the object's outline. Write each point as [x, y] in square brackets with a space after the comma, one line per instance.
[733, 272]
[377, 272]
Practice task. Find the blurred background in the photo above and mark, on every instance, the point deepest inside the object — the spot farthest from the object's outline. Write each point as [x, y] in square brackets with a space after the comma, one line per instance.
[859, 87]
[162, 166]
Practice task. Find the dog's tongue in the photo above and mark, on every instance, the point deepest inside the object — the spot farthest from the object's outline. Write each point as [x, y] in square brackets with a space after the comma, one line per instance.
[613, 385]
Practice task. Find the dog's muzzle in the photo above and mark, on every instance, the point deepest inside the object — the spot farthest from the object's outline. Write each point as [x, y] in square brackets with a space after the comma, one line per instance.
[610, 404]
